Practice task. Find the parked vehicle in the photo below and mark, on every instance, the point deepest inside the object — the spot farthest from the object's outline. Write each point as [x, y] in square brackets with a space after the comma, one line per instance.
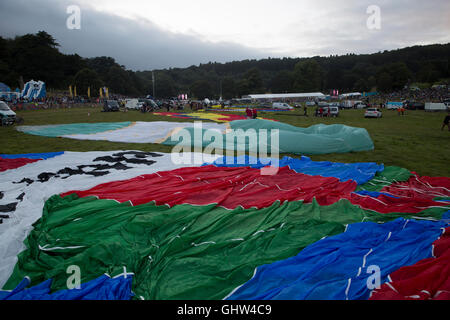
[373, 113]
[415, 105]
[350, 104]
[392, 105]
[282, 106]
[7, 116]
[360, 105]
[331, 112]
[132, 104]
[111, 106]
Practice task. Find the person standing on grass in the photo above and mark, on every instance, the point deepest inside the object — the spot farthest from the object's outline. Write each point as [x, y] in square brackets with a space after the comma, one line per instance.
[446, 122]
[249, 113]
[254, 113]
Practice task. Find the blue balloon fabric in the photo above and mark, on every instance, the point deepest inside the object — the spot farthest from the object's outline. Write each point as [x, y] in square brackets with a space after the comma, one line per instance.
[345, 266]
[34, 156]
[102, 288]
[359, 172]
[375, 194]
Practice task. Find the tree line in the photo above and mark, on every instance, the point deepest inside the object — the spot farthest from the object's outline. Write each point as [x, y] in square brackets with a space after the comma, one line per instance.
[37, 56]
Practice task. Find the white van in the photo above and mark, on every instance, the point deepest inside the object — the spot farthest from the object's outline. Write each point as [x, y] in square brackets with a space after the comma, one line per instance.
[331, 111]
[132, 104]
[7, 116]
[282, 106]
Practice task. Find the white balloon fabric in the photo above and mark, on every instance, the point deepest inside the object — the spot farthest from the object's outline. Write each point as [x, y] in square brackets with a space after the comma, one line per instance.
[126, 132]
[31, 185]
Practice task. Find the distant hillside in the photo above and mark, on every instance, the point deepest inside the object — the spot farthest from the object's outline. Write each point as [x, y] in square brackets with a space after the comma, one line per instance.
[36, 56]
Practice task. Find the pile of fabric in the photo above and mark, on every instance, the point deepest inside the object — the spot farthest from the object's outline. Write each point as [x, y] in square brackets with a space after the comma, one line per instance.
[240, 135]
[136, 226]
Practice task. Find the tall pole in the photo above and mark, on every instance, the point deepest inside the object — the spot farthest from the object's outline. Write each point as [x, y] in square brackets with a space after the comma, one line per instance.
[153, 81]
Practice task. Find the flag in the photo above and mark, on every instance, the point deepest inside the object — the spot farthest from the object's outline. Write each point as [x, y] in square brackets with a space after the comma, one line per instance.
[70, 91]
[89, 92]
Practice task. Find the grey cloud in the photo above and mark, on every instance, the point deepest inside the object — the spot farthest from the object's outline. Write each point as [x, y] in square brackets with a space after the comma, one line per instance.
[139, 45]
[342, 27]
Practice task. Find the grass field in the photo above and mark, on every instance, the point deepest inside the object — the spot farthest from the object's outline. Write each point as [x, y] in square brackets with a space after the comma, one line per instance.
[414, 141]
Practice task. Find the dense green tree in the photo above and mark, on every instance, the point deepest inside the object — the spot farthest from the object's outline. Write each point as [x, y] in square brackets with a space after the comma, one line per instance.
[282, 82]
[87, 78]
[308, 76]
[428, 73]
[229, 88]
[361, 85]
[243, 88]
[37, 56]
[371, 83]
[254, 81]
[384, 82]
[117, 80]
[164, 86]
[400, 75]
[202, 89]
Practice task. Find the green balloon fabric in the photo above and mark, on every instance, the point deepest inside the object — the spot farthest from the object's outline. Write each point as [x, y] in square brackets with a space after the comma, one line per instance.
[317, 139]
[181, 253]
[385, 178]
[73, 128]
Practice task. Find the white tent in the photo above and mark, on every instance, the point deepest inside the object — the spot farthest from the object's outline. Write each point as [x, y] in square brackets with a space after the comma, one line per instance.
[286, 95]
[429, 106]
[353, 94]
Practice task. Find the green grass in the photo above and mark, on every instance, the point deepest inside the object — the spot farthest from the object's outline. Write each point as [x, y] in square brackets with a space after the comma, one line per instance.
[414, 141]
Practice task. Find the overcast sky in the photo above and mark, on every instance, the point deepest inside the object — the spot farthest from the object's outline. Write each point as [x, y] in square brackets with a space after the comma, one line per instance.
[153, 34]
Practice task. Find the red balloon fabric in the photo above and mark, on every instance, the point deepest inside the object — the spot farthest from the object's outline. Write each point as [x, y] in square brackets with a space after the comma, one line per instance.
[227, 187]
[420, 187]
[231, 187]
[428, 279]
[412, 196]
[7, 164]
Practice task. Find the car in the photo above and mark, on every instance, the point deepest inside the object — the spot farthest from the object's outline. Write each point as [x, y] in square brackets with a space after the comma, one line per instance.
[373, 113]
[111, 106]
[331, 111]
[7, 116]
[360, 105]
[282, 106]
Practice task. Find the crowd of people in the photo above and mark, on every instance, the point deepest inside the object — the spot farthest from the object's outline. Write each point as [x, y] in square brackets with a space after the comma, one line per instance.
[437, 94]
[52, 102]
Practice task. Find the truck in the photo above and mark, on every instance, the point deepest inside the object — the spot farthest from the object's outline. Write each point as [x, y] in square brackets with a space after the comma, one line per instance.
[350, 104]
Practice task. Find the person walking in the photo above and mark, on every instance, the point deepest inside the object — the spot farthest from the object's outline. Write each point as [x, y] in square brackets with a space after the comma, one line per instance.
[446, 122]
